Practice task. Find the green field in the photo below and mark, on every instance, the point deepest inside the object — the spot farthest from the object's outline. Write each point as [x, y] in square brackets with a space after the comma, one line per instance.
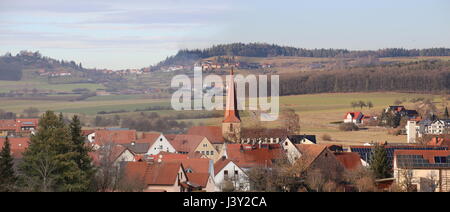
[6, 86]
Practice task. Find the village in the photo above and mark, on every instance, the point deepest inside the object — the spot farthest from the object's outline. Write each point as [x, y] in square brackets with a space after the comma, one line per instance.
[231, 158]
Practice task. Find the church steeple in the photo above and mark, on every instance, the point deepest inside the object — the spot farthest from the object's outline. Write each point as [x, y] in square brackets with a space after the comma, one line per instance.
[231, 112]
[231, 125]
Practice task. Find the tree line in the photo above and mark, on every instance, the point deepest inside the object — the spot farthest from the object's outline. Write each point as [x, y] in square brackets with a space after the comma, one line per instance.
[187, 57]
[424, 76]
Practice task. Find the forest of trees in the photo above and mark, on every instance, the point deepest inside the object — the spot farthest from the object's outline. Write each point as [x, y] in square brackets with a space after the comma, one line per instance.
[187, 57]
[424, 76]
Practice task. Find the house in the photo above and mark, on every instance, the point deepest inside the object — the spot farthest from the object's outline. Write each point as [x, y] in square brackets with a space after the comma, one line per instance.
[212, 133]
[226, 170]
[157, 143]
[112, 154]
[416, 129]
[189, 144]
[423, 170]
[158, 176]
[249, 156]
[395, 108]
[316, 157]
[353, 117]
[18, 127]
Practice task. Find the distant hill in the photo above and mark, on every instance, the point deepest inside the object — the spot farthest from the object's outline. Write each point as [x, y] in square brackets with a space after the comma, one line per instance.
[187, 57]
[12, 67]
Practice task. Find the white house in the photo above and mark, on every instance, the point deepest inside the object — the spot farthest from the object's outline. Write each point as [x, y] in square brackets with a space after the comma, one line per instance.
[354, 117]
[226, 170]
[158, 143]
[289, 143]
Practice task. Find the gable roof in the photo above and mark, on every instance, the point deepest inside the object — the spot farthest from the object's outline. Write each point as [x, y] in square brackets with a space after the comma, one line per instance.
[310, 152]
[138, 148]
[248, 156]
[350, 160]
[220, 164]
[150, 137]
[114, 136]
[355, 115]
[153, 174]
[213, 133]
[200, 179]
[197, 165]
[186, 143]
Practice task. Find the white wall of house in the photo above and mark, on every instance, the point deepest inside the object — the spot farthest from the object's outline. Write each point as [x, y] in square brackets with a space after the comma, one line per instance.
[411, 131]
[126, 156]
[161, 145]
[91, 137]
[291, 150]
[240, 178]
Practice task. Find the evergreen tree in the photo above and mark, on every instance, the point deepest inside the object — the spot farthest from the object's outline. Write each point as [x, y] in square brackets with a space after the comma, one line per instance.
[48, 163]
[379, 163]
[81, 157]
[7, 176]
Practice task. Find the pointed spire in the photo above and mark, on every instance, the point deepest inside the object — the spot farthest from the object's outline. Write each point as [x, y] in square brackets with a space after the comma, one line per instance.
[231, 112]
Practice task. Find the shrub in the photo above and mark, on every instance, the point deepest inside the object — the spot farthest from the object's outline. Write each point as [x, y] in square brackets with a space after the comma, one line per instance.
[326, 137]
[348, 127]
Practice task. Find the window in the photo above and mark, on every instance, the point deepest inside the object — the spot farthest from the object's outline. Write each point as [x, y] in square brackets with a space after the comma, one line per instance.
[236, 173]
[207, 152]
[203, 152]
[212, 152]
[160, 139]
[225, 173]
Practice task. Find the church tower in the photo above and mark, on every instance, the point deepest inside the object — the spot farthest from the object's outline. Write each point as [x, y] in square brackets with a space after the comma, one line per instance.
[231, 125]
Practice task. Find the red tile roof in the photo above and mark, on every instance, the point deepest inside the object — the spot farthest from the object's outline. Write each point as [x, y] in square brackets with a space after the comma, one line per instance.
[18, 145]
[310, 152]
[115, 136]
[8, 124]
[200, 179]
[186, 143]
[150, 136]
[213, 133]
[220, 164]
[354, 114]
[197, 165]
[153, 174]
[350, 160]
[247, 156]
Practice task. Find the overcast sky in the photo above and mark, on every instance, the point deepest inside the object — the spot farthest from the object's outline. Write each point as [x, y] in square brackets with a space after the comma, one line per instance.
[120, 34]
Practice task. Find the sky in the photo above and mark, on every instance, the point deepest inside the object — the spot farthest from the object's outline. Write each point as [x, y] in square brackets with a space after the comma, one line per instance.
[119, 34]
